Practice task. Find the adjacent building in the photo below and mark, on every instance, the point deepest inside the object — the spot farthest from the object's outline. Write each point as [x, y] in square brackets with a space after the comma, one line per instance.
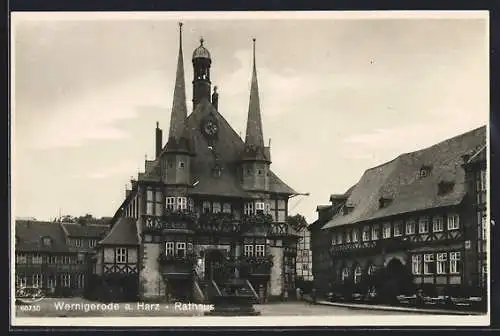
[304, 256]
[209, 199]
[418, 221]
[54, 256]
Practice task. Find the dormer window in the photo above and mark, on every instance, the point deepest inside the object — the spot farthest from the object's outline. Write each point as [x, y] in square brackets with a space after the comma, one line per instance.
[445, 187]
[384, 202]
[347, 209]
[424, 171]
[46, 241]
[248, 208]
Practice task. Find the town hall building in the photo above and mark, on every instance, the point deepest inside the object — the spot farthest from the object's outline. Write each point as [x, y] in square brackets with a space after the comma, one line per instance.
[207, 203]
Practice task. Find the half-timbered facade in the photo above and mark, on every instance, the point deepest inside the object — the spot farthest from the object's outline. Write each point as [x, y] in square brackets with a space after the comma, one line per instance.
[407, 223]
[54, 256]
[207, 201]
[304, 256]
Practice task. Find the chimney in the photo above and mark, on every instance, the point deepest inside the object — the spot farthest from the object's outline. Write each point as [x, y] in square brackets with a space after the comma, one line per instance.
[215, 99]
[159, 139]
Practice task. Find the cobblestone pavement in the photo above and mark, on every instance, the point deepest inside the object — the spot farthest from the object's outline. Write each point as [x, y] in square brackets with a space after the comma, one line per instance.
[76, 307]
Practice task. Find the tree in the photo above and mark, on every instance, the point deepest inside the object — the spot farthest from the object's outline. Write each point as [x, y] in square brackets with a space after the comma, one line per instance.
[297, 222]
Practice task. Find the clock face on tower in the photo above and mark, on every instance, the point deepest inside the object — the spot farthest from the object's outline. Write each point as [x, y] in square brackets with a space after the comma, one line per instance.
[210, 128]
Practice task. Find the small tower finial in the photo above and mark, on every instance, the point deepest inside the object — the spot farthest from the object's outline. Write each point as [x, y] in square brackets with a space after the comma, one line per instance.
[202, 40]
[157, 124]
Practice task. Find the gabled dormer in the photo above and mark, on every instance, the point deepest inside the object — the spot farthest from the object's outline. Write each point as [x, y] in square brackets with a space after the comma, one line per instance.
[424, 171]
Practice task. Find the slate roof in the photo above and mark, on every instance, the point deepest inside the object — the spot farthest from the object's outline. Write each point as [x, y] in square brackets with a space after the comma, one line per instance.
[74, 230]
[398, 180]
[228, 152]
[29, 236]
[123, 232]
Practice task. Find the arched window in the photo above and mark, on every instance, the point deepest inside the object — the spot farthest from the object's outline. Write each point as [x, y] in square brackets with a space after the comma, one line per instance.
[371, 270]
[358, 272]
[345, 274]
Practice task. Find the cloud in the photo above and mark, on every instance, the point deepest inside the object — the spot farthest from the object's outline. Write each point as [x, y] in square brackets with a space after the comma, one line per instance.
[96, 116]
[117, 169]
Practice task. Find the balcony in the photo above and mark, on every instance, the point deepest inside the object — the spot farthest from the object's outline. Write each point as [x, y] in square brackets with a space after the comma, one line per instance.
[218, 223]
[177, 265]
[258, 223]
[172, 220]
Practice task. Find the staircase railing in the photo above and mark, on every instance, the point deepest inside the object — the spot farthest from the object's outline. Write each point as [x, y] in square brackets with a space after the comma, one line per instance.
[249, 284]
[216, 287]
[197, 288]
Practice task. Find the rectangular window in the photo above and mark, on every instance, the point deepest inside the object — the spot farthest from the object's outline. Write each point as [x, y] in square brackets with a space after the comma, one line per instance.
[423, 225]
[355, 235]
[180, 249]
[428, 263]
[398, 229]
[170, 203]
[37, 280]
[80, 281]
[482, 181]
[149, 208]
[248, 208]
[226, 208]
[453, 222]
[181, 203]
[416, 264]
[169, 248]
[387, 230]
[454, 262]
[375, 232]
[52, 260]
[21, 258]
[51, 281]
[410, 227]
[259, 207]
[78, 242]
[348, 236]
[437, 224]
[121, 255]
[248, 250]
[366, 233]
[158, 209]
[20, 280]
[216, 207]
[334, 239]
[66, 280]
[441, 263]
[92, 243]
[260, 250]
[36, 259]
[339, 238]
[207, 207]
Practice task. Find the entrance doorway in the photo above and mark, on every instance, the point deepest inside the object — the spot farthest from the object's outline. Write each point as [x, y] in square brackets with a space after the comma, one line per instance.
[397, 280]
[213, 259]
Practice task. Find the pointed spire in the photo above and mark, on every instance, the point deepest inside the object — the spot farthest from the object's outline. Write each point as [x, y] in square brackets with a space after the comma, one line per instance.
[179, 108]
[254, 136]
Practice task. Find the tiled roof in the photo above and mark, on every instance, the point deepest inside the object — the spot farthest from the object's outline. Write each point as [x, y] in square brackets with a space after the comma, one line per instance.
[123, 232]
[397, 181]
[29, 235]
[74, 230]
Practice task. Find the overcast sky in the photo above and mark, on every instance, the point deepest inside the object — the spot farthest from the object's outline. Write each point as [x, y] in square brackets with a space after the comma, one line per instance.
[338, 96]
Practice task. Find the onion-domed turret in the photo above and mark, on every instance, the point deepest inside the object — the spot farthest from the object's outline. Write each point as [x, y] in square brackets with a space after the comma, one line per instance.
[201, 70]
[201, 52]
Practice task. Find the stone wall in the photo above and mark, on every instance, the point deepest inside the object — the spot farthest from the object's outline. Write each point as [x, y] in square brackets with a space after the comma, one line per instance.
[276, 279]
[152, 286]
